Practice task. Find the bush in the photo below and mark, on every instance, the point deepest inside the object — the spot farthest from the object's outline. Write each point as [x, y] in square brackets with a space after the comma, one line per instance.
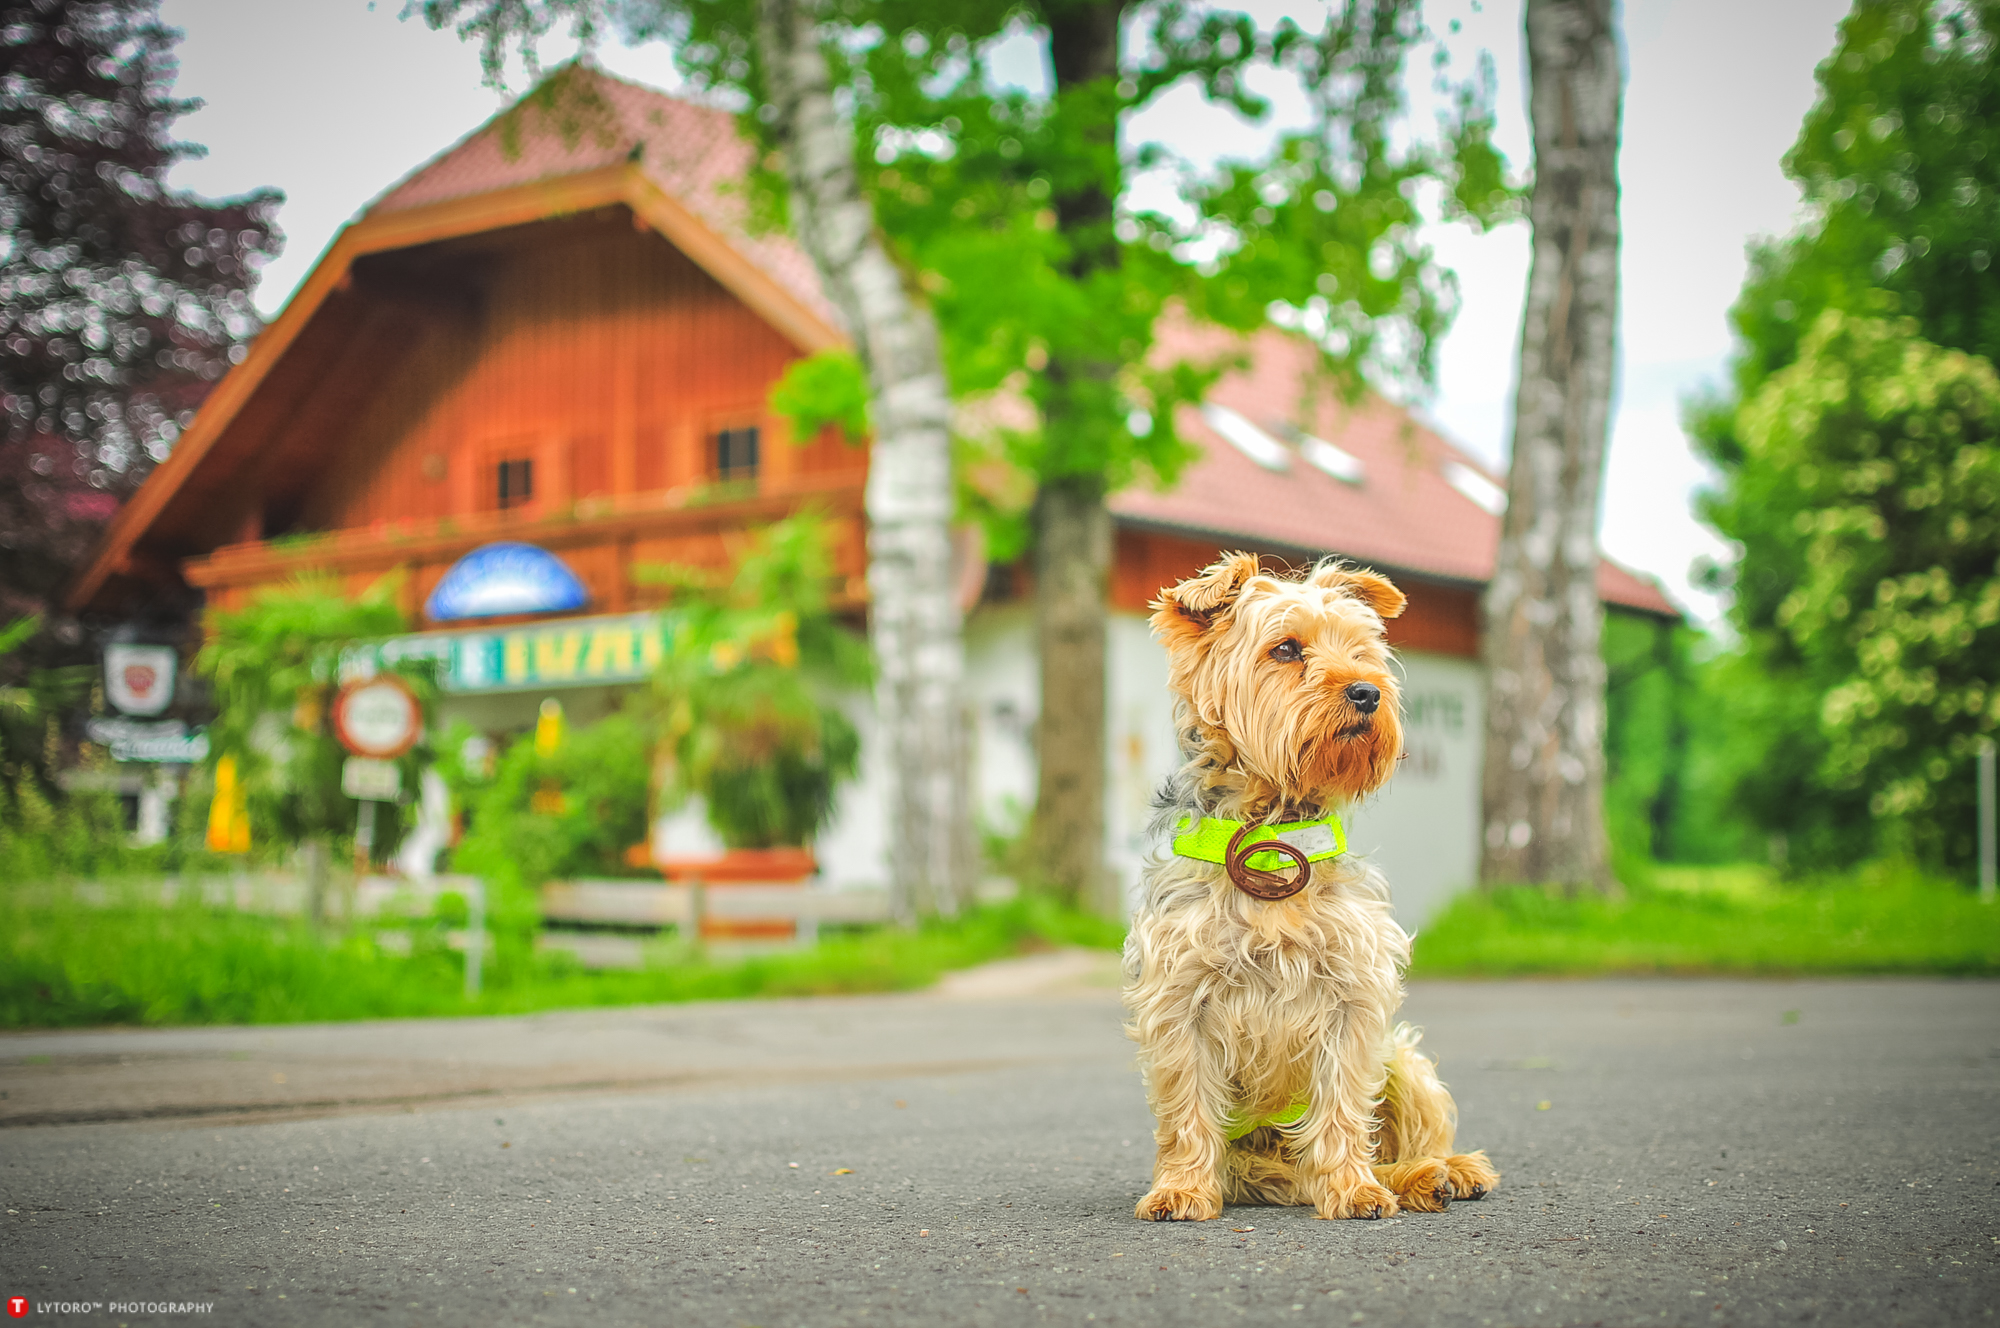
[602, 773]
[79, 834]
[749, 696]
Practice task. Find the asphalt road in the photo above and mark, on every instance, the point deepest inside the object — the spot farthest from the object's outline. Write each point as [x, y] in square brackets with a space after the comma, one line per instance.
[1674, 1153]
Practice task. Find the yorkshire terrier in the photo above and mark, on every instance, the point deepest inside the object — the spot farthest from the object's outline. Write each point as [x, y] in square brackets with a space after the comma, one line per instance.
[1264, 966]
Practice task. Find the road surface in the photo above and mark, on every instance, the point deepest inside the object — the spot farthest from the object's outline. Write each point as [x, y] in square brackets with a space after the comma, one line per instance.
[1674, 1152]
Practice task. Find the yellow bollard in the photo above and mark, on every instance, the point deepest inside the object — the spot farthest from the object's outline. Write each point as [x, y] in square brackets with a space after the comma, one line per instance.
[548, 738]
[549, 728]
[229, 813]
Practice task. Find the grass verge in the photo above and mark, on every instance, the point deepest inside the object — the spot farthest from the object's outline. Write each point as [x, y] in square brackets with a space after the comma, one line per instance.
[1879, 919]
[66, 965]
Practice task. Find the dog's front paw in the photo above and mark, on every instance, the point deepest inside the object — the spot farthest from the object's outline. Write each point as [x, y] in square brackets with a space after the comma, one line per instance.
[1472, 1176]
[1163, 1204]
[1422, 1185]
[1364, 1201]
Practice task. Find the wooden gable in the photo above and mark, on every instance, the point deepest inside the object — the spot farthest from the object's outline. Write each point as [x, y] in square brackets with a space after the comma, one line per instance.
[594, 339]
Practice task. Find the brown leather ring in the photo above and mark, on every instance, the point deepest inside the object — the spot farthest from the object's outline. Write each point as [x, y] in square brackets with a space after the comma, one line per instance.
[1255, 881]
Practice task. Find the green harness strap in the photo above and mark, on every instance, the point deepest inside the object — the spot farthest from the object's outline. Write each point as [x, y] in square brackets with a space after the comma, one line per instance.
[1289, 1116]
[1209, 841]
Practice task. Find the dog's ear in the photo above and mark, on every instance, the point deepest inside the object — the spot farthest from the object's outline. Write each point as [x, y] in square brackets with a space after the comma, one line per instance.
[1371, 588]
[1185, 612]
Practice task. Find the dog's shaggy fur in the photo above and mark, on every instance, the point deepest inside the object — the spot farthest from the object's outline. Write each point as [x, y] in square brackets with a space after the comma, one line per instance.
[1243, 1007]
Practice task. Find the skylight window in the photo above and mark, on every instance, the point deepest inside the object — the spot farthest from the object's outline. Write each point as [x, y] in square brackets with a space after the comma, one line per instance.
[1475, 486]
[1247, 438]
[1342, 465]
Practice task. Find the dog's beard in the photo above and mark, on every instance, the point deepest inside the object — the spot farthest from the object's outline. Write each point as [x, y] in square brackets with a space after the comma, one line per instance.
[1350, 760]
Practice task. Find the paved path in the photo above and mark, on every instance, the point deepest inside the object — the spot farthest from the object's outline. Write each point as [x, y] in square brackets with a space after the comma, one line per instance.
[1675, 1153]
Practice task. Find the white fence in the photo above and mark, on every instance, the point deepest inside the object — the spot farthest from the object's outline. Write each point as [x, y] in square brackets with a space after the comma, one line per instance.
[289, 895]
[770, 914]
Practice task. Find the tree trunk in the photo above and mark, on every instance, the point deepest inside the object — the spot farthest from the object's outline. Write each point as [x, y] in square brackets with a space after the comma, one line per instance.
[914, 619]
[1544, 774]
[1072, 528]
[1072, 568]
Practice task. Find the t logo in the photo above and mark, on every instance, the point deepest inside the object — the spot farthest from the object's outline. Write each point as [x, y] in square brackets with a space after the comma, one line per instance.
[17, 1306]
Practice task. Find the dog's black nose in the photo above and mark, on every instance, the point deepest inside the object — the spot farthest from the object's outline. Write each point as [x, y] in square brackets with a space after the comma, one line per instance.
[1365, 696]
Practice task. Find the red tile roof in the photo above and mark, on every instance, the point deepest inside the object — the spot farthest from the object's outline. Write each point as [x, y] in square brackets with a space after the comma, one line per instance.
[693, 152]
[1404, 514]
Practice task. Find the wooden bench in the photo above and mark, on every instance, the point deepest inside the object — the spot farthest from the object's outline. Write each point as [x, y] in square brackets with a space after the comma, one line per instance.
[658, 904]
[718, 912]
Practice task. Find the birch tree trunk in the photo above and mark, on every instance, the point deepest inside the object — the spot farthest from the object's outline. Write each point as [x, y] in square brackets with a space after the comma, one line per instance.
[914, 619]
[1544, 771]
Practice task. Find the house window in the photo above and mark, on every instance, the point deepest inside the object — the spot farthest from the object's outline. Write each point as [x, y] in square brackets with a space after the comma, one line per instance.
[517, 482]
[736, 454]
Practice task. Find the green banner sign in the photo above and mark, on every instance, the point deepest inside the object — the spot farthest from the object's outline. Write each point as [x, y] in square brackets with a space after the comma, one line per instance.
[571, 652]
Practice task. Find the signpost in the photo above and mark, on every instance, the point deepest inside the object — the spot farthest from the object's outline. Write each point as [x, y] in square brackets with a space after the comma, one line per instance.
[165, 741]
[378, 717]
[376, 720]
[139, 679]
[366, 779]
[1989, 832]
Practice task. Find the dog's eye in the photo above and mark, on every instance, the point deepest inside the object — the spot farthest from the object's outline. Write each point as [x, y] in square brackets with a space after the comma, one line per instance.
[1288, 651]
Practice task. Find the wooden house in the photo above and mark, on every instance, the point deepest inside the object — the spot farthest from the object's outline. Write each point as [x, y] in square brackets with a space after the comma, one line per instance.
[566, 342]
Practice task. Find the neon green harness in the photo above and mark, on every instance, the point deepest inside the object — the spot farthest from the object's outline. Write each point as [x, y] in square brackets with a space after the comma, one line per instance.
[1209, 842]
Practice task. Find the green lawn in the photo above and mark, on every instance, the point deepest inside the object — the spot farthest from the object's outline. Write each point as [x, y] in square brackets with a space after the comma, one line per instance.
[1720, 920]
[65, 965]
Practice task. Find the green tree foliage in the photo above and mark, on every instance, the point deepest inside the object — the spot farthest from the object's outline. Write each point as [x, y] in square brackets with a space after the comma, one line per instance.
[750, 696]
[1885, 450]
[121, 300]
[1899, 163]
[24, 735]
[45, 831]
[1009, 206]
[1645, 735]
[826, 390]
[274, 667]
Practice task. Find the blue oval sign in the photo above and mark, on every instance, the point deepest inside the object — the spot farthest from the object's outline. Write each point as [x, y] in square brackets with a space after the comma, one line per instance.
[506, 578]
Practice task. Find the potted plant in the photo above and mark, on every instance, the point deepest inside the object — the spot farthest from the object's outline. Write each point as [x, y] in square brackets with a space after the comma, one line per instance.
[750, 698]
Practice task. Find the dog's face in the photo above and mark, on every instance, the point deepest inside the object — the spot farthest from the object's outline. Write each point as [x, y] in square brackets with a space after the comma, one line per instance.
[1288, 681]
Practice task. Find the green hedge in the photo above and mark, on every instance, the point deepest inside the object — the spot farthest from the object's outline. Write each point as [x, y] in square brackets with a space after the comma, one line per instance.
[1882, 919]
[64, 964]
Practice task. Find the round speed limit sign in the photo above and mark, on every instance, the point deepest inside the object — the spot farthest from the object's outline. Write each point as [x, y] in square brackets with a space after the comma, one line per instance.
[378, 718]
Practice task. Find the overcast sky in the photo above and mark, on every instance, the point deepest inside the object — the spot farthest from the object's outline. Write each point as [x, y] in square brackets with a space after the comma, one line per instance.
[334, 100]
